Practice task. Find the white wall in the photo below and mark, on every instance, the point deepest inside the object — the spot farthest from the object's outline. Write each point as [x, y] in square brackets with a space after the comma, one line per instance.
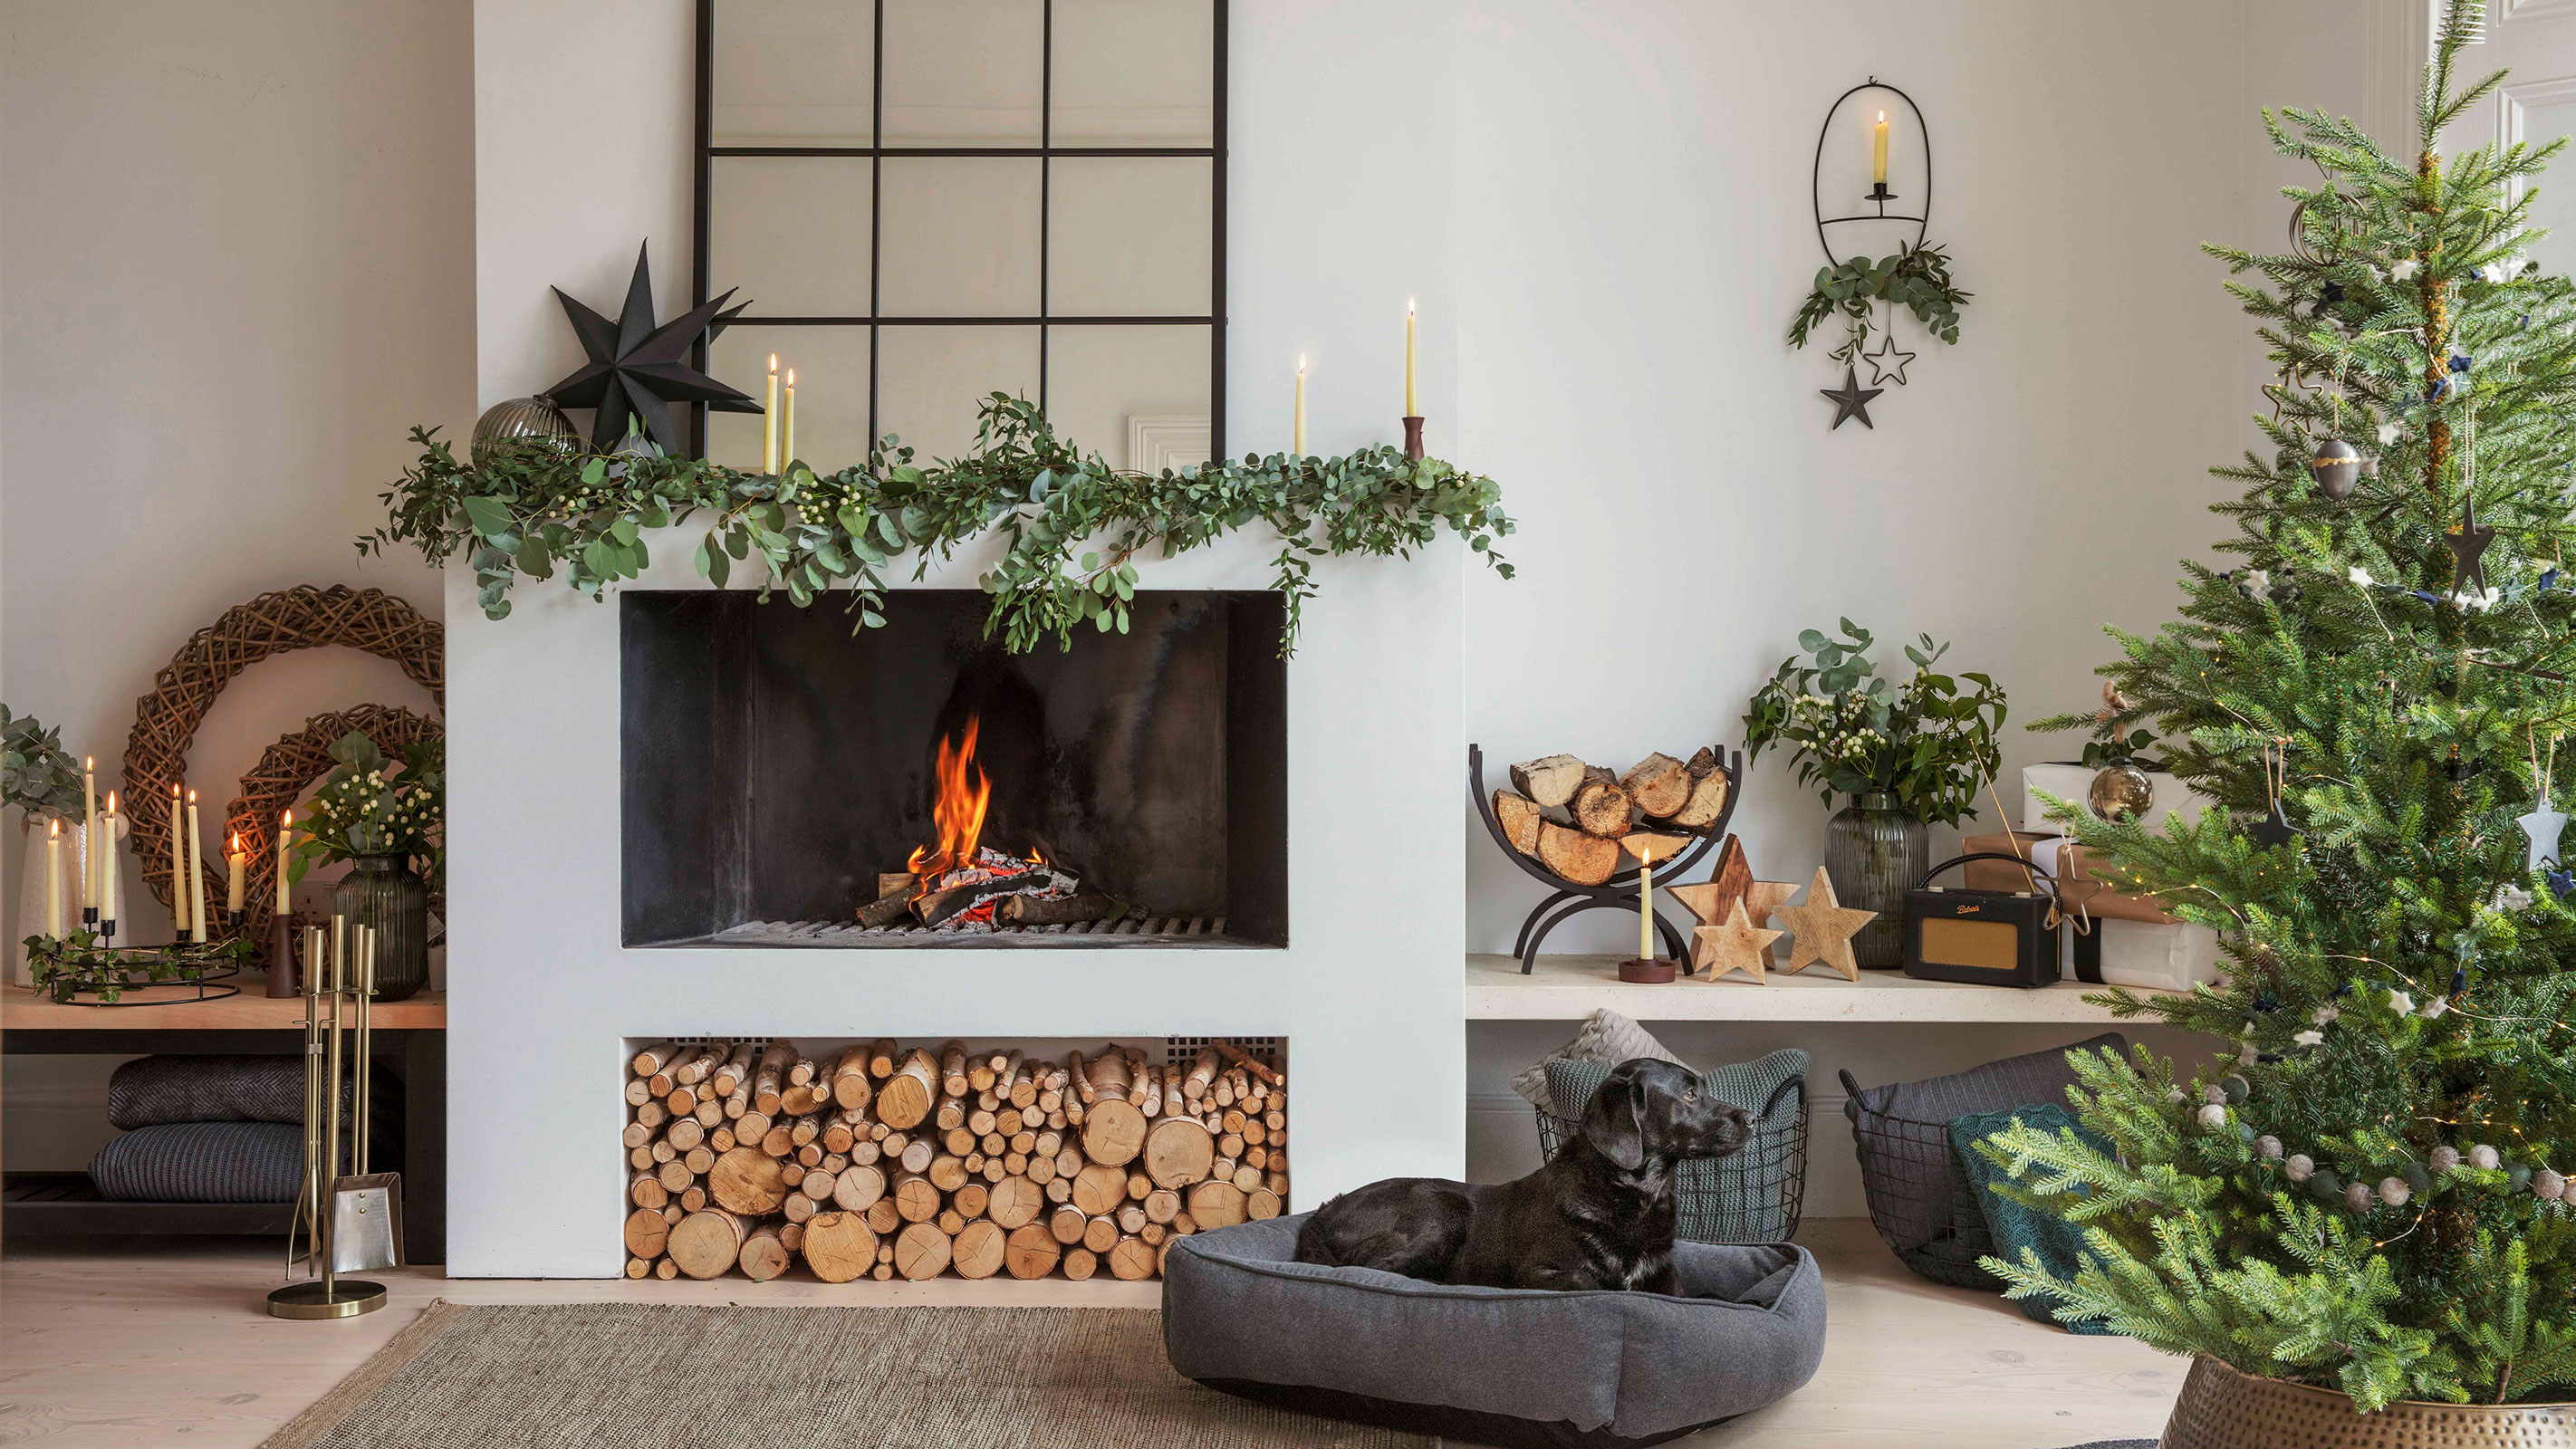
[239, 268]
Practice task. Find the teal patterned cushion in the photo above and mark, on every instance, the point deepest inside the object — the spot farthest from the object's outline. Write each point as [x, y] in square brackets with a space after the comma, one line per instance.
[1741, 1199]
[2058, 1243]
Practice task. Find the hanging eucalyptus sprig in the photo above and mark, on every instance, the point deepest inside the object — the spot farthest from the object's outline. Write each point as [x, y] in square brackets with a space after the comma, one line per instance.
[1073, 525]
[1917, 277]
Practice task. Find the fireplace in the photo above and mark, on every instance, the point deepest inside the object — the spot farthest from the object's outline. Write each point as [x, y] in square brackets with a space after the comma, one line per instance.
[789, 782]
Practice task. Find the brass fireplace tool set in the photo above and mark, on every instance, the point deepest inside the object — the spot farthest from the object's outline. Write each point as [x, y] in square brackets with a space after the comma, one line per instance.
[351, 1222]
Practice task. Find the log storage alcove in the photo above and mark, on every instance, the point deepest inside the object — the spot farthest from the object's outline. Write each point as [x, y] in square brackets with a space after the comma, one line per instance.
[879, 1159]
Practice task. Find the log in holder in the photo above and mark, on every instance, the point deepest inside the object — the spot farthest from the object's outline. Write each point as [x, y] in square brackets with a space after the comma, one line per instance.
[1568, 899]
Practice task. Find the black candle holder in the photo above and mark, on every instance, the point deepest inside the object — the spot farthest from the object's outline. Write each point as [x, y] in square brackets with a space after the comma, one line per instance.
[1413, 438]
[1568, 899]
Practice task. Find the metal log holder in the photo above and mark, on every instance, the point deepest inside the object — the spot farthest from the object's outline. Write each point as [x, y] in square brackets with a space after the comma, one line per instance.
[346, 980]
[1568, 899]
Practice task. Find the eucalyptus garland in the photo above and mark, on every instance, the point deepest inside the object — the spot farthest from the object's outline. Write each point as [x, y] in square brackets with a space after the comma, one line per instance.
[1073, 524]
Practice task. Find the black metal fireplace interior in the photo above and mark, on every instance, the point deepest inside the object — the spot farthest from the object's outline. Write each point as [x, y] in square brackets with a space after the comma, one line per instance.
[774, 765]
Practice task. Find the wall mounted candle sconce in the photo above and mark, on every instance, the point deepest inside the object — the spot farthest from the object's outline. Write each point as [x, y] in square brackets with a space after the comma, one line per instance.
[1916, 274]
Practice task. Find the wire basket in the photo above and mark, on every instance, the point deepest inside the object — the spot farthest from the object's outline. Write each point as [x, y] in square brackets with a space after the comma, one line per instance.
[1751, 1197]
[1919, 1201]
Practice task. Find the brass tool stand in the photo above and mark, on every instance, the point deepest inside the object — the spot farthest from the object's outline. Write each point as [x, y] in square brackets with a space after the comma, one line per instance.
[329, 1296]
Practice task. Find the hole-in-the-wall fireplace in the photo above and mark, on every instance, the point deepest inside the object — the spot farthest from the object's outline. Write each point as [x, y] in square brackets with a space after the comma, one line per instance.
[788, 782]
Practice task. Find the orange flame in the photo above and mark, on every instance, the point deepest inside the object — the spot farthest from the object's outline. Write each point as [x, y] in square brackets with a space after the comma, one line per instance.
[958, 810]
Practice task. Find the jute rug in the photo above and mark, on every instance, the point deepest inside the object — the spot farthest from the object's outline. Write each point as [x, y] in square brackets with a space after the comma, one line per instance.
[622, 1375]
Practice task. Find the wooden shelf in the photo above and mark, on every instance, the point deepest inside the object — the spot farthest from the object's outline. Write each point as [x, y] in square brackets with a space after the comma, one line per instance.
[21, 1009]
[1570, 988]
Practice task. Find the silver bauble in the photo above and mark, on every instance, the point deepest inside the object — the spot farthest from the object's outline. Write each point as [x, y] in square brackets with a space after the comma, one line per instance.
[2299, 1166]
[2443, 1159]
[2549, 1185]
[2485, 1158]
[2394, 1191]
[2356, 1196]
[522, 417]
[2121, 789]
[2337, 467]
[2268, 1148]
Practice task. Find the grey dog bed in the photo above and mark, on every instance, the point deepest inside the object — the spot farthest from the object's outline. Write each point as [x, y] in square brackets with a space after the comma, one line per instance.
[1510, 1366]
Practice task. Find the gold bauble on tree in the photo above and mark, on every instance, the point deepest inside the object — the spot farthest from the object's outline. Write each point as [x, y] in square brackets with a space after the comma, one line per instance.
[2121, 789]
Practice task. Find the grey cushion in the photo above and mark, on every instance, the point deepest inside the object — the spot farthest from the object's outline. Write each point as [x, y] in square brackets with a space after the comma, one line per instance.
[1493, 1365]
[1919, 1200]
[152, 1091]
[1746, 1198]
[202, 1162]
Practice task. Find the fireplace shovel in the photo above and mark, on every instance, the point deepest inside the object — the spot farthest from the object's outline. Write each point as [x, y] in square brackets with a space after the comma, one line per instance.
[366, 1222]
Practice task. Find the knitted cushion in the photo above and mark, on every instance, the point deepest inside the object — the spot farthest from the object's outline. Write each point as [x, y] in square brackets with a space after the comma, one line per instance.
[1740, 1199]
[151, 1091]
[1919, 1200]
[202, 1162]
[2017, 1229]
[1606, 1369]
[1608, 1038]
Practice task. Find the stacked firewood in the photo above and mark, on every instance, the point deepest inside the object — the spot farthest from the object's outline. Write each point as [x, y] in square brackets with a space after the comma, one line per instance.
[878, 1160]
[1578, 818]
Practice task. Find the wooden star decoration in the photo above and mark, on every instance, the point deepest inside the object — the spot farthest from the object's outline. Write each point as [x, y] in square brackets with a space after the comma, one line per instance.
[1762, 899]
[1735, 946]
[636, 369]
[1886, 362]
[1824, 929]
[1711, 899]
[1851, 400]
[2468, 549]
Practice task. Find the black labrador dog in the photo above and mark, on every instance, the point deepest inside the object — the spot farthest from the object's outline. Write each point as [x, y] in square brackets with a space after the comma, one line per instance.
[1599, 1215]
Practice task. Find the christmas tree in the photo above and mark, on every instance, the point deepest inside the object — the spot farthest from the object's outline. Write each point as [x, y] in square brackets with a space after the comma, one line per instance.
[2368, 1194]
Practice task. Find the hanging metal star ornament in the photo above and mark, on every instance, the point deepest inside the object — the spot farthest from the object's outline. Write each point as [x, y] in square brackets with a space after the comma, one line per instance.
[2468, 547]
[1887, 362]
[2274, 830]
[636, 369]
[1851, 400]
[2546, 822]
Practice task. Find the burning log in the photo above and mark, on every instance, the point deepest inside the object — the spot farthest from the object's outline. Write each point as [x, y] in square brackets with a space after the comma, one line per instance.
[1035, 910]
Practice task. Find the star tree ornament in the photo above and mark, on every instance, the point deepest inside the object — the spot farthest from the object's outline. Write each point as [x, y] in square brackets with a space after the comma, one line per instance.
[2544, 824]
[637, 370]
[1851, 400]
[1887, 362]
[2468, 546]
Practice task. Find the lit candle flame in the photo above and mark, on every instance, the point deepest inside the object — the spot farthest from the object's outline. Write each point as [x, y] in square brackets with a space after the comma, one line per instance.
[773, 357]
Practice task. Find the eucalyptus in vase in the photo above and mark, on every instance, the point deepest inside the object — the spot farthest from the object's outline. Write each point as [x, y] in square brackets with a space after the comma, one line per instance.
[385, 817]
[1904, 756]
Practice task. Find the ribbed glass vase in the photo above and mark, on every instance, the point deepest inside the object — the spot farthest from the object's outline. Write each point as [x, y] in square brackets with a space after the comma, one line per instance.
[381, 891]
[1876, 851]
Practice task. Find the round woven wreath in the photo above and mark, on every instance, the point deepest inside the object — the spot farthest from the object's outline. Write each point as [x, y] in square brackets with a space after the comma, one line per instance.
[166, 720]
[280, 778]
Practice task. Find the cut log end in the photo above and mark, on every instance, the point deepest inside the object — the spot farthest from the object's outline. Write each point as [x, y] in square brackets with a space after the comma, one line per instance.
[1581, 858]
[1550, 780]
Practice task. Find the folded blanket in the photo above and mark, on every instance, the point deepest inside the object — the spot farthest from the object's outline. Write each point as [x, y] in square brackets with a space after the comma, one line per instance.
[1607, 1038]
[202, 1162]
[2058, 1243]
[151, 1091]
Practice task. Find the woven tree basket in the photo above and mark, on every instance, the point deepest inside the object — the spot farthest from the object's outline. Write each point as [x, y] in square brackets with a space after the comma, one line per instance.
[2225, 1408]
[166, 720]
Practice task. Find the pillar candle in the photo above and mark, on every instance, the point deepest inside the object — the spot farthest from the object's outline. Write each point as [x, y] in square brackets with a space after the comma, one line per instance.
[769, 422]
[196, 882]
[1412, 401]
[1300, 443]
[107, 862]
[1878, 151]
[178, 870]
[1646, 911]
[787, 424]
[234, 860]
[285, 827]
[54, 879]
[89, 831]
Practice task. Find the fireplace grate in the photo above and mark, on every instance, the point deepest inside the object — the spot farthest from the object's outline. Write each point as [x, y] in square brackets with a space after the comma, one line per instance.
[1157, 931]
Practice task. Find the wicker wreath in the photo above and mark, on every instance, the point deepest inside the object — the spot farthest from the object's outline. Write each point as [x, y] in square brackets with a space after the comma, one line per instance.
[279, 780]
[166, 720]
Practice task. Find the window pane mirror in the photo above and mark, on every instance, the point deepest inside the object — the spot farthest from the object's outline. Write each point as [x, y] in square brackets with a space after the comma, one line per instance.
[928, 201]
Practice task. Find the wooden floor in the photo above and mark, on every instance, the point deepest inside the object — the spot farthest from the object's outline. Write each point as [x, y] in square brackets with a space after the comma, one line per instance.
[172, 1346]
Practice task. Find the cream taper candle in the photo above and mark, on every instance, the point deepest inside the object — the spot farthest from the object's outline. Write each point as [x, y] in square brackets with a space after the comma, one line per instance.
[178, 869]
[285, 827]
[107, 863]
[1412, 399]
[1299, 442]
[54, 879]
[1646, 910]
[769, 422]
[234, 861]
[196, 882]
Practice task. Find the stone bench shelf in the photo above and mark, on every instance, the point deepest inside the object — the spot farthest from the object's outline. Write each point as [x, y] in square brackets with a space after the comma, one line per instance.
[1570, 988]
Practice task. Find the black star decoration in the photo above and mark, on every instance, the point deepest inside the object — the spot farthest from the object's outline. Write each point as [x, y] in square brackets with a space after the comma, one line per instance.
[1887, 362]
[2274, 830]
[1851, 400]
[636, 369]
[2468, 547]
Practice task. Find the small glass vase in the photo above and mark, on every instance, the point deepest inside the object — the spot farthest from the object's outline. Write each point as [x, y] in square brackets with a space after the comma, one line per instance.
[383, 892]
[1876, 851]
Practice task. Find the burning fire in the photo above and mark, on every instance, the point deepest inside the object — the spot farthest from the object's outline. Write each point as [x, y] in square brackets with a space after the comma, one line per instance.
[958, 811]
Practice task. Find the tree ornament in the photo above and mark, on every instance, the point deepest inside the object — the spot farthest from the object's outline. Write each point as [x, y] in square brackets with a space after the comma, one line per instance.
[2443, 1158]
[2175, 1097]
[2274, 830]
[2324, 1186]
[2392, 1191]
[2541, 828]
[2468, 546]
[638, 370]
[2235, 1088]
[2298, 1167]
[2337, 467]
[2518, 1177]
[522, 419]
[2213, 1116]
[2401, 1002]
[2268, 1147]
[2549, 1185]
[2484, 1158]
[2120, 789]
[2415, 1177]
[2214, 1094]
[1887, 361]
[2247, 1055]
[2356, 1196]
[1851, 400]
[2309, 1038]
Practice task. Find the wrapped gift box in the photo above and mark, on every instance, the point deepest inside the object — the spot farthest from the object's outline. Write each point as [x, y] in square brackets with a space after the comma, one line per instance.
[2050, 853]
[2136, 953]
[2075, 782]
